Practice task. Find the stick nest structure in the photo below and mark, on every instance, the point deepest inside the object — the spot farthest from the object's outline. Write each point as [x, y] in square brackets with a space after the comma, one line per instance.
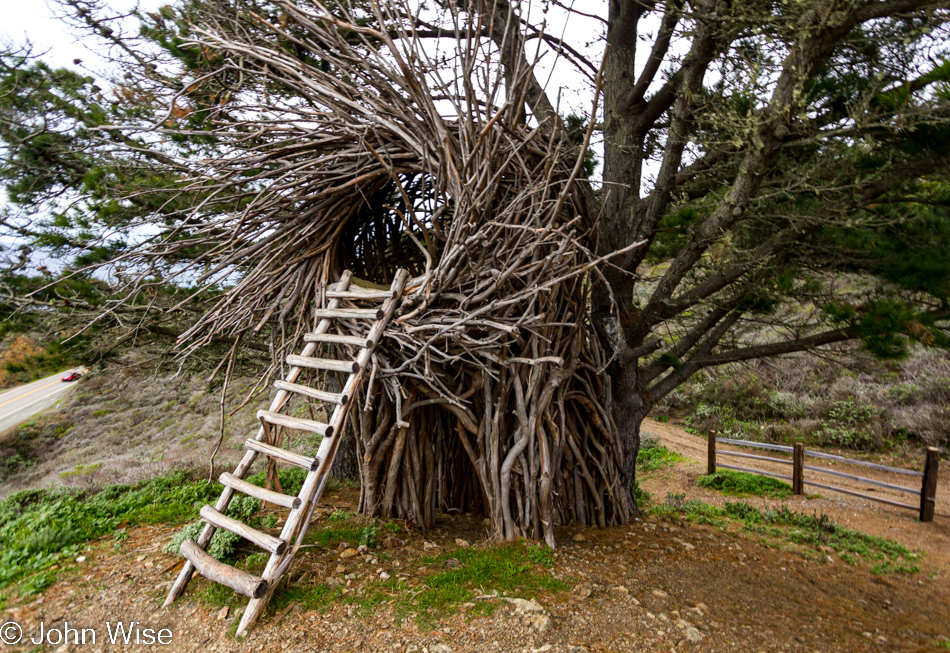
[341, 146]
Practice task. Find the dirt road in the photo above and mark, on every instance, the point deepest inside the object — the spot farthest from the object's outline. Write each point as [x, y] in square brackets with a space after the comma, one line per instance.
[651, 586]
[861, 514]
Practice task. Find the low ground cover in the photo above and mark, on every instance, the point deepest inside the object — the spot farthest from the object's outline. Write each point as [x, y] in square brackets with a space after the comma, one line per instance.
[743, 484]
[40, 528]
[424, 589]
[814, 536]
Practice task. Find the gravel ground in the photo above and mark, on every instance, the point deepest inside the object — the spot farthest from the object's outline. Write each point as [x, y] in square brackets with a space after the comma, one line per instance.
[649, 586]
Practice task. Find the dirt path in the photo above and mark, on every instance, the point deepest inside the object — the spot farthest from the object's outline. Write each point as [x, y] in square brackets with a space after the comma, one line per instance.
[861, 514]
[650, 586]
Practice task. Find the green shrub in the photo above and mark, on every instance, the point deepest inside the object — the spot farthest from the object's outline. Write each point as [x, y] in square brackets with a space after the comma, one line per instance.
[39, 528]
[368, 536]
[37, 583]
[743, 511]
[656, 457]
[222, 543]
[787, 406]
[853, 412]
[694, 510]
[743, 484]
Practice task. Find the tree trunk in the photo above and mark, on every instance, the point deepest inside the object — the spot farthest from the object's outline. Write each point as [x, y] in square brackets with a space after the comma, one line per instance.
[629, 409]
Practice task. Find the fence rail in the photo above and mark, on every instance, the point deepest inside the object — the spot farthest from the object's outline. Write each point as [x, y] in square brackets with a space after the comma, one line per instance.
[736, 468]
[739, 454]
[927, 491]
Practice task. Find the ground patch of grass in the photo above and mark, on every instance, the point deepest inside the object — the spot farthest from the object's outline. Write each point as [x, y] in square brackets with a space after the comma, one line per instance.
[39, 528]
[451, 578]
[656, 457]
[743, 484]
[815, 535]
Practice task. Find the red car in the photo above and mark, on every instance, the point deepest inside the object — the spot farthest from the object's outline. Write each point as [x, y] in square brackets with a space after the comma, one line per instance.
[72, 376]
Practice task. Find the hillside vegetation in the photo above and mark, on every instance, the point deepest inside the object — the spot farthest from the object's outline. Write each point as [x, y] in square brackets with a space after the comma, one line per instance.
[862, 404]
[137, 415]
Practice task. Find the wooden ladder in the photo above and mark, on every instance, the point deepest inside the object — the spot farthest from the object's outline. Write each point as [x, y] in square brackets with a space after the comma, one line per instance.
[283, 549]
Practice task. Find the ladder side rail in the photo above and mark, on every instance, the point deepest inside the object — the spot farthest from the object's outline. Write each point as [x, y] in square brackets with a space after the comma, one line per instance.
[315, 482]
[311, 491]
[340, 412]
[250, 456]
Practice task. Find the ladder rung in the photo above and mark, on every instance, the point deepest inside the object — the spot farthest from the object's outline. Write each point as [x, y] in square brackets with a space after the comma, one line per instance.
[359, 294]
[218, 572]
[337, 339]
[306, 462]
[347, 313]
[328, 364]
[329, 397]
[295, 422]
[267, 542]
[259, 492]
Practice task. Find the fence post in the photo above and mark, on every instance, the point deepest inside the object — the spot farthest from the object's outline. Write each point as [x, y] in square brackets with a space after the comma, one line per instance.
[798, 472]
[711, 454]
[928, 491]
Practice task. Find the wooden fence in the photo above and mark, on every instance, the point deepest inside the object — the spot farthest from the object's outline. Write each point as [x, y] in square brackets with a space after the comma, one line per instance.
[927, 491]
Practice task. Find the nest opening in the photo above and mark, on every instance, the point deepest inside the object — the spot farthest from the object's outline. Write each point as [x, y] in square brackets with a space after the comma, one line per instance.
[395, 225]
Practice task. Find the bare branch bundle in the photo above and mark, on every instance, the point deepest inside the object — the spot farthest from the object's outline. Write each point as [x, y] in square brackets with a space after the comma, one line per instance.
[349, 147]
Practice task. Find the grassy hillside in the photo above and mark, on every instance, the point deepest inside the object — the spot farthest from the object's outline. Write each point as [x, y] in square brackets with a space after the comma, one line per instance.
[141, 416]
[856, 402]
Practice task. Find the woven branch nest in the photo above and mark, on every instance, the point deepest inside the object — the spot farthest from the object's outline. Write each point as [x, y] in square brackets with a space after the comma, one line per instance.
[350, 148]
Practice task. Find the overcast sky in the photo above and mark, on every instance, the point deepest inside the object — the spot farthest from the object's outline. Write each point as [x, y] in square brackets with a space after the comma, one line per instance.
[34, 20]
[31, 20]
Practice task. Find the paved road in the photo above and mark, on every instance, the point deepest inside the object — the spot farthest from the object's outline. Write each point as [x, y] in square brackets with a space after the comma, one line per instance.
[19, 404]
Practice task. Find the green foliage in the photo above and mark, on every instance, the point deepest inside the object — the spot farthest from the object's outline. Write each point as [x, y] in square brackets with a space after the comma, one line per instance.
[910, 249]
[119, 538]
[291, 479]
[676, 504]
[334, 535]
[656, 457]
[457, 576]
[320, 597]
[508, 569]
[542, 555]
[814, 534]
[892, 567]
[37, 583]
[39, 528]
[851, 424]
[742, 484]
[222, 543]
[338, 515]
[368, 536]
[674, 232]
[888, 325]
[641, 496]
